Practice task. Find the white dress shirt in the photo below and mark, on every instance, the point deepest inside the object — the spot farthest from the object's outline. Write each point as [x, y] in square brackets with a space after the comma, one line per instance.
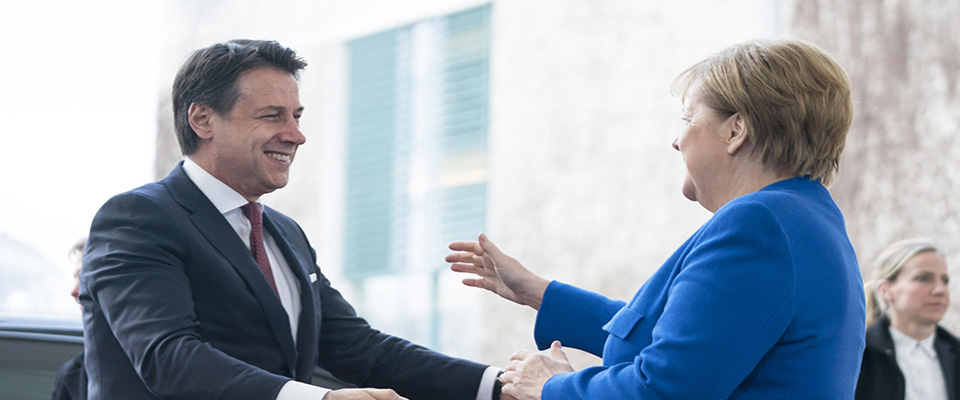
[228, 202]
[920, 367]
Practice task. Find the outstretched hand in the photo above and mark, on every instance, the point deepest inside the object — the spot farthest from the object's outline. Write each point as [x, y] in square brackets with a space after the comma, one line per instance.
[528, 371]
[497, 272]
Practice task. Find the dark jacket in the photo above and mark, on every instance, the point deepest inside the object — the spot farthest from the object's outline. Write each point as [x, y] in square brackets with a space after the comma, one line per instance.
[71, 381]
[880, 377]
[174, 306]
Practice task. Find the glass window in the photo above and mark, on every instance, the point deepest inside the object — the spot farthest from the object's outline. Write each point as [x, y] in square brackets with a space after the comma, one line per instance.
[416, 174]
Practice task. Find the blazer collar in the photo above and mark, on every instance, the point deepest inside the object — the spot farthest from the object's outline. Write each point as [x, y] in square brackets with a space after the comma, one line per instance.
[947, 351]
[878, 336]
[302, 267]
[221, 236]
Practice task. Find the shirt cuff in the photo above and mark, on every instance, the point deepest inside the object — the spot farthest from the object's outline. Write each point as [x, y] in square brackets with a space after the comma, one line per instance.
[296, 390]
[485, 392]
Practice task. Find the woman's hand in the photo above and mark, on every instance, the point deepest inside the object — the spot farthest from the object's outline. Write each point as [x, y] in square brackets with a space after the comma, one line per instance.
[497, 272]
[363, 394]
[528, 371]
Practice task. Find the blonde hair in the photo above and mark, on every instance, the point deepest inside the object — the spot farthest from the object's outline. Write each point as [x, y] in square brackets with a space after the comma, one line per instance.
[792, 95]
[887, 267]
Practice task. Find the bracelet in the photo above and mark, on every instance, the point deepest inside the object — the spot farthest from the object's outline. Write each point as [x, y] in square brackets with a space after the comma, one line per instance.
[497, 386]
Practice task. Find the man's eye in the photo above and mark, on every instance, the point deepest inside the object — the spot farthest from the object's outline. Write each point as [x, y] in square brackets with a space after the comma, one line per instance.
[272, 116]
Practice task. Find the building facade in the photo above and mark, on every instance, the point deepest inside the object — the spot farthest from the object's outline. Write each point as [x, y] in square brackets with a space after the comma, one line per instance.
[561, 147]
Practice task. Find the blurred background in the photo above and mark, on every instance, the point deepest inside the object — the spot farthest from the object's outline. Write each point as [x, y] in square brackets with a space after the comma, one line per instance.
[546, 124]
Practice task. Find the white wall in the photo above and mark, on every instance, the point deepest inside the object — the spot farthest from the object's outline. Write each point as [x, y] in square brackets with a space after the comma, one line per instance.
[584, 183]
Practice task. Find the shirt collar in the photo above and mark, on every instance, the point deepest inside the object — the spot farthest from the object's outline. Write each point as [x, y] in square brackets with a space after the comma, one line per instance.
[904, 344]
[223, 197]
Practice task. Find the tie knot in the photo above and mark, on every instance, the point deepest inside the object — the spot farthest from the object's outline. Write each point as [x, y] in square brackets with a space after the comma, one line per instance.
[253, 213]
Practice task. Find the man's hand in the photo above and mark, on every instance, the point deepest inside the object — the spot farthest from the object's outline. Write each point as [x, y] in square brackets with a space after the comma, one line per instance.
[497, 272]
[363, 394]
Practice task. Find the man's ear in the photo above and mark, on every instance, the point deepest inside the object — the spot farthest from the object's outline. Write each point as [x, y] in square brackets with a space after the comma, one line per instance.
[200, 118]
[737, 133]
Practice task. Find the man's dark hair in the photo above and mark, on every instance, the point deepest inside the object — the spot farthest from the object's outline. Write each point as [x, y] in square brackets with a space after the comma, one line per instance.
[210, 77]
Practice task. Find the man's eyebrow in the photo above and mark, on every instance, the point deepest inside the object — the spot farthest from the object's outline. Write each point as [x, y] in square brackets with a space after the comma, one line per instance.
[276, 108]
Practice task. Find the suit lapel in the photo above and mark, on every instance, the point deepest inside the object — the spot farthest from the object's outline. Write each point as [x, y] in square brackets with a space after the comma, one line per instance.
[948, 361]
[300, 264]
[221, 236]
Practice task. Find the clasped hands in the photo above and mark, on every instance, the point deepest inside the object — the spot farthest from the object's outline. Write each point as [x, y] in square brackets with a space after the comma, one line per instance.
[527, 371]
[363, 394]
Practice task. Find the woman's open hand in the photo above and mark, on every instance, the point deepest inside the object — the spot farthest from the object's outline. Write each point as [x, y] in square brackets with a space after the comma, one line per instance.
[497, 272]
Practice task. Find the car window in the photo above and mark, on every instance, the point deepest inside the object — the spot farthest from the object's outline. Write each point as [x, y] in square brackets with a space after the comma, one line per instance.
[28, 367]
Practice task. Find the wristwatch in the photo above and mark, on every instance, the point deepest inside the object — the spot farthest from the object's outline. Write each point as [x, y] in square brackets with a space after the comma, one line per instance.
[497, 385]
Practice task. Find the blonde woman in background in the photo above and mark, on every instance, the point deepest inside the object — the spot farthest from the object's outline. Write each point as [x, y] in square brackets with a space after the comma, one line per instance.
[908, 356]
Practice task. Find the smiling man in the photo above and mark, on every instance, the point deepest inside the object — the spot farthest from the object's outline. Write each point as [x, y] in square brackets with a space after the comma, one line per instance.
[192, 289]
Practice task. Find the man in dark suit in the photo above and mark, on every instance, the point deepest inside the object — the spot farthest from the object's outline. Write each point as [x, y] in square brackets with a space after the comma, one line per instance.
[190, 291]
[70, 382]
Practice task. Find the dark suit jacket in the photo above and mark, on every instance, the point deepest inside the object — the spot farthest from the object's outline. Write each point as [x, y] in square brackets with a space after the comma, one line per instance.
[175, 306]
[71, 380]
[880, 376]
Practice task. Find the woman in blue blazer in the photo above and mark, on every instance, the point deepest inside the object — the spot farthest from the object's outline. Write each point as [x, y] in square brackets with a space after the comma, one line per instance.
[765, 300]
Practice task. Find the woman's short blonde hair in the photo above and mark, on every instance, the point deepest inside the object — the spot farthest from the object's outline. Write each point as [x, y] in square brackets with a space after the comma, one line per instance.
[887, 267]
[792, 95]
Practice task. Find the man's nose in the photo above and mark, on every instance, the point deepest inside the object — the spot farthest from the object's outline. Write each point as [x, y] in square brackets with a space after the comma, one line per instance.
[293, 134]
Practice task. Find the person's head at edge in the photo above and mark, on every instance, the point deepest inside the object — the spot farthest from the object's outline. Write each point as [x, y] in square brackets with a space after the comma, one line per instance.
[910, 286]
[76, 254]
[771, 109]
[236, 109]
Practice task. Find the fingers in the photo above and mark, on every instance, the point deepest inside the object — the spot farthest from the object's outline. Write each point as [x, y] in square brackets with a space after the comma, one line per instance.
[507, 396]
[384, 394]
[512, 368]
[556, 352]
[513, 383]
[508, 389]
[467, 246]
[478, 283]
[487, 247]
[364, 394]
[472, 269]
[521, 355]
[464, 257]
[467, 268]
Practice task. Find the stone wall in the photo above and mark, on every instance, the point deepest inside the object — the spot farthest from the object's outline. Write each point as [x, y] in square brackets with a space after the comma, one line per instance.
[900, 174]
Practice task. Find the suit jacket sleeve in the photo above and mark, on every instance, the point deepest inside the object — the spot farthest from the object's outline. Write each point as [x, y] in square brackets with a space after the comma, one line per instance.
[730, 302]
[354, 351]
[134, 275]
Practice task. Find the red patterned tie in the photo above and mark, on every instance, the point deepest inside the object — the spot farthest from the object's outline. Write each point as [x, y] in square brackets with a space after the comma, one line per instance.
[259, 252]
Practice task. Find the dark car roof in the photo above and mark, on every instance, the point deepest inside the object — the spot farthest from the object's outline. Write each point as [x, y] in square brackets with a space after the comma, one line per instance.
[41, 327]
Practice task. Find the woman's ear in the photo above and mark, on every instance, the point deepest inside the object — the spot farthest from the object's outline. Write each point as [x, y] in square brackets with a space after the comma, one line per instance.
[737, 134]
[200, 118]
[883, 288]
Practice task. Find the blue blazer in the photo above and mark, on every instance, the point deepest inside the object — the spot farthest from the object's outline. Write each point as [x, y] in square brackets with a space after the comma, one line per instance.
[764, 301]
[174, 306]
